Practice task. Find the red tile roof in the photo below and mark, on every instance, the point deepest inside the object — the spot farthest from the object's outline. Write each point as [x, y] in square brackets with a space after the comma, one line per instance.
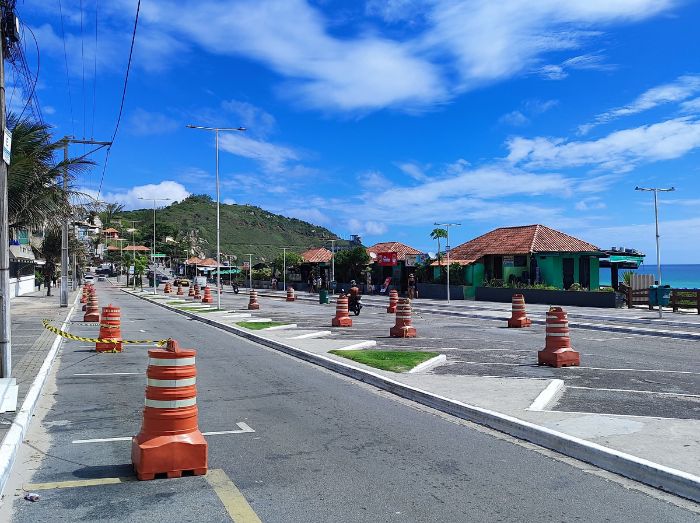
[110, 231]
[318, 255]
[401, 249]
[136, 248]
[519, 240]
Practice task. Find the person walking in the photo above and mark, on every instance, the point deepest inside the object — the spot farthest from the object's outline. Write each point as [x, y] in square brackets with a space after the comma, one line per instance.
[412, 288]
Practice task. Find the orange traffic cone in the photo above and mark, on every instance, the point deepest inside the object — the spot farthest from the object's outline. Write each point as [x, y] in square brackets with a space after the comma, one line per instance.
[342, 318]
[519, 316]
[190, 292]
[403, 328]
[170, 441]
[179, 290]
[207, 298]
[290, 294]
[110, 329]
[253, 304]
[167, 289]
[393, 300]
[92, 311]
[557, 350]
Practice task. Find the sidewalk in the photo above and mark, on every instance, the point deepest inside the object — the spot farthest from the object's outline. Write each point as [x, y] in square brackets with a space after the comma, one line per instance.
[30, 341]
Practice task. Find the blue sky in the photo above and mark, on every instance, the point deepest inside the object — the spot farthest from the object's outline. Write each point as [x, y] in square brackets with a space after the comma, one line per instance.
[380, 118]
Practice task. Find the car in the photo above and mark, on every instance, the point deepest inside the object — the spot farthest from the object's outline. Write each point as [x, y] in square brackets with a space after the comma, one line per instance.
[163, 279]
[102, 277]
[89, 278]
[184, 282]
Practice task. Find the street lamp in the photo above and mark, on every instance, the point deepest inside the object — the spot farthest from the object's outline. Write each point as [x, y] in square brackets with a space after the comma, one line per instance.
[153, 247]
[250, 270]
[447, 248]
[656, 190]
[332, 257]
[218, 203]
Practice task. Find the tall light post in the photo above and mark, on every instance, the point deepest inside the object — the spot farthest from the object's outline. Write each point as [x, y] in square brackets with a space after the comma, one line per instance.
[218, 202]
[656, 190]
[250, 270]
[153, 247]
[332, 257]
[447, 248]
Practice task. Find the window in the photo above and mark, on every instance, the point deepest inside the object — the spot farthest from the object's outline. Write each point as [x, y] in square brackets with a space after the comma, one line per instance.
[520, 261]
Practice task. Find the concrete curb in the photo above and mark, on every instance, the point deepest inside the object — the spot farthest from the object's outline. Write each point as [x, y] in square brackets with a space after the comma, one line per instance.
[658, 476]
[12, 441]
[429, 364]
[547, 396]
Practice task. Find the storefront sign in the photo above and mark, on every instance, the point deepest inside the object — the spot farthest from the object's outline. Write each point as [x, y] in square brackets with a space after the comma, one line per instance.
[387, 259]
[508, 261]
[386, 285]
[414, 259]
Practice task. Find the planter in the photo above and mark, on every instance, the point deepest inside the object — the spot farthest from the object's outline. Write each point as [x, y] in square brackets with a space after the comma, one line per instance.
[548, 297]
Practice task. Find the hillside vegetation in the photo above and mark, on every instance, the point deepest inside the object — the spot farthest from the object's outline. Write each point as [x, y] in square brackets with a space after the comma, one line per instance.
[244, 229]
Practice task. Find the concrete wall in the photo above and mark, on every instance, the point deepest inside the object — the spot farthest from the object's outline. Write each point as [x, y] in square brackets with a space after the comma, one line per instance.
[22, 285]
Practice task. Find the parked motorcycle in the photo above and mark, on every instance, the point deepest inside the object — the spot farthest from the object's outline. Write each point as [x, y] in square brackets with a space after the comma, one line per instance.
[355, 305]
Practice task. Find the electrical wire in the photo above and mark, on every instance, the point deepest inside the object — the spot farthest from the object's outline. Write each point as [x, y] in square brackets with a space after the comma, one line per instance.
[23, 70]
[82, 60]
[65, 56]
[94, 74]
[121, 106]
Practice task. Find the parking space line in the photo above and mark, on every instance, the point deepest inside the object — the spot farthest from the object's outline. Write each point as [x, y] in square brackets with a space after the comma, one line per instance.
[639, 391]
[87, 374]
[235, 503]
[243, 428]
[77, 483]
[572, 369]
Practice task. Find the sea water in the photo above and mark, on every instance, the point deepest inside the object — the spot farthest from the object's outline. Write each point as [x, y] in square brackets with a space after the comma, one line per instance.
[677, 276]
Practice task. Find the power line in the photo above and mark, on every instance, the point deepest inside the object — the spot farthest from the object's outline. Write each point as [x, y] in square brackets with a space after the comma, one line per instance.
[82, 59]
[65, 56]
[121, 106]
[94, 74]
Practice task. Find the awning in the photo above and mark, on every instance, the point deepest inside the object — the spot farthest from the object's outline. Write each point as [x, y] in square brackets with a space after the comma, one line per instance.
[228, 271]
[622, 261]
[21, 253]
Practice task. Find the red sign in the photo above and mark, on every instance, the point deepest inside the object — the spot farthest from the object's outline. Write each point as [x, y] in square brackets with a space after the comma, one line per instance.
[386, 259]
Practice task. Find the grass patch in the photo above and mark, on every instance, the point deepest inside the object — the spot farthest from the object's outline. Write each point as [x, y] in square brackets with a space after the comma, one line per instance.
[394, 361]
[258, 325]
[174, 302]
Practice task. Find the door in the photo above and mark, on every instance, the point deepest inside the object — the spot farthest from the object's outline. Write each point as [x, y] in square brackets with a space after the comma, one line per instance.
[498, 267]
[584, 271]
[568, 272]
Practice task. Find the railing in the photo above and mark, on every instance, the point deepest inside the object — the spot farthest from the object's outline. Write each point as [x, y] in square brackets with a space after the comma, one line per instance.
[685, 298]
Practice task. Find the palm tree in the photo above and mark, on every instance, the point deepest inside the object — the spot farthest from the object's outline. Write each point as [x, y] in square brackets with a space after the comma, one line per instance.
[436, 234]
[35, 179]
[109, 213]
[50, 252]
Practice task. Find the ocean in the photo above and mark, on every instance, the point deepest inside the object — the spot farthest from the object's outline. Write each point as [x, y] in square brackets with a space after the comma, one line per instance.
[677, 276]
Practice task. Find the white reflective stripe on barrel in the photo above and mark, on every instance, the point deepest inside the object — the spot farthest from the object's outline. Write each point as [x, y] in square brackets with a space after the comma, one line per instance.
[186, 382]
[557, 325]
[173, 362]
[562, 334]
[170, 404]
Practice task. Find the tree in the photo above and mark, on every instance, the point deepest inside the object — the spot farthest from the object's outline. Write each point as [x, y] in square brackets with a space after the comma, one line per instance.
[140, 266]
[109, 213]
[50, 252]
[35, 180]
[352, 263]
[436, 234]
[293, 260]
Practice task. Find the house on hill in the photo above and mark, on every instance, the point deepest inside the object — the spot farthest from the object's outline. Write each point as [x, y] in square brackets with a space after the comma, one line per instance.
[402, 261]
[529, 254]
[316, 262]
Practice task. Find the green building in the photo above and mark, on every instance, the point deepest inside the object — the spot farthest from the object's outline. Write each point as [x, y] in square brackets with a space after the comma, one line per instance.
[527, 254]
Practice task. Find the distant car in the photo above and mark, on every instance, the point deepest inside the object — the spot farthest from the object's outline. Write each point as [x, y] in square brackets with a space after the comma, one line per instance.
[164, 278]
[101, 277]
[181, 281]
[89, 278]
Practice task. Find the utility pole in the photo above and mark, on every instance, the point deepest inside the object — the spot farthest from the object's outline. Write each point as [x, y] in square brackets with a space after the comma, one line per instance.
[656, 190]
[284, 268]
[64, 229]
[447, 248]
[5, 325]
[250, 270]
[153, 247]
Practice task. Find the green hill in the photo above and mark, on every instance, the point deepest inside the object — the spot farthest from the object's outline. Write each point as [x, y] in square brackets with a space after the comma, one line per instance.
[244, 229]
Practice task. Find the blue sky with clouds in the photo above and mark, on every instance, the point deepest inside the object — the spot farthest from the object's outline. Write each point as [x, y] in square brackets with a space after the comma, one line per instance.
[379, 118]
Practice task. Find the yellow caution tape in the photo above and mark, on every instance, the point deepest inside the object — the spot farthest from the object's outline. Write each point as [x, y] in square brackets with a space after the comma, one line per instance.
[68, 335]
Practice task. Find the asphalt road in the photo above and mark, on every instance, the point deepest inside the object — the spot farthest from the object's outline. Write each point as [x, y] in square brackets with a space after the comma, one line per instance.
[619, 374]
[325, 448]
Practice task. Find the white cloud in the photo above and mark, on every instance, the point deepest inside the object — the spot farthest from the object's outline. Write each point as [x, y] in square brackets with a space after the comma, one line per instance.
[532, 107]
[553, 72]
[590, 204]
[681, 89]
[130, 198]
[255, 119]
[374, 181]
[145, 123]
[368, 228]
[591, 62]
[395, 10]
[619, 151]
[413, 170]
[514, 118]
[691, 106]
[275, 158]
[229, 201]
[307, 214]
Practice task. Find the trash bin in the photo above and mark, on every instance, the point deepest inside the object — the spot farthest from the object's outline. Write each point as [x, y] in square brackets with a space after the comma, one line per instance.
[323, 296]
[653, 295]
[663, 294]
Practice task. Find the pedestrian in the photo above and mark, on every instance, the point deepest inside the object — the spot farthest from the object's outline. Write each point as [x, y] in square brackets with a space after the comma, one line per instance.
[370, 287]
[412, 288]
[273, 283]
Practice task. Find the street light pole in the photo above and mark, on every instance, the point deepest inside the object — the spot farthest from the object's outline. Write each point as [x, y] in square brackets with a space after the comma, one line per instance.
[218, 203]
[447, 248]
[153, 247]
[284, 268]
[250, 270]
[656, 190]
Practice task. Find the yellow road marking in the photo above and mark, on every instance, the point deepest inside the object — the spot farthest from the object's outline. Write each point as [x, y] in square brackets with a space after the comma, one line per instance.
[235, 503]
[77, 483]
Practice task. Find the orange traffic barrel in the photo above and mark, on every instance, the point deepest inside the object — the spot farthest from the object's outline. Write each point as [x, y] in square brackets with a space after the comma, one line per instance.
[92, 310]
[110, 329]
[403, 327]
[170, 442]
[207, 298]
[342, 316]
[290, 294]
[557, 350]
[190, 292]
[518, 316]
[179, 290]
[393, 300]
[253, 304]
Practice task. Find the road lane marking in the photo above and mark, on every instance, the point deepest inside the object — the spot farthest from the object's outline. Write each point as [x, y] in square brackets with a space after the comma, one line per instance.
[235, 503]
[243, 428]
[77, 483]
[577, 368]
[639, 391]
[87, 374]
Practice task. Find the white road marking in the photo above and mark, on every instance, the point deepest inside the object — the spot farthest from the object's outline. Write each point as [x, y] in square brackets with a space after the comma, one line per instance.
[309, 335]
[640, 391]
[110, 374]
[577, 368]
[243, 429]
[547, 396]
[361, 345]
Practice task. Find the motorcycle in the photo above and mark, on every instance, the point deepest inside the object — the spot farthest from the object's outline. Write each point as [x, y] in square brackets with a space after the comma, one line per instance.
[355, 305]
[234, 286]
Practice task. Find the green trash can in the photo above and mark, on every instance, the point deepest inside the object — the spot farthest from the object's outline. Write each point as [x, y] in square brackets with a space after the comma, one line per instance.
[663, 294]
[653, 295]
[323, 296]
